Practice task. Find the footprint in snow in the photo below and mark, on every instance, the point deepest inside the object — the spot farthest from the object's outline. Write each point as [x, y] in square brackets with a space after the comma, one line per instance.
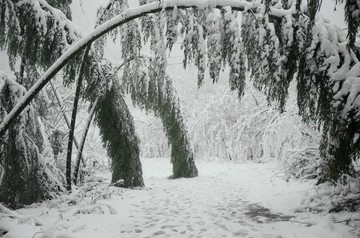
[159, 233]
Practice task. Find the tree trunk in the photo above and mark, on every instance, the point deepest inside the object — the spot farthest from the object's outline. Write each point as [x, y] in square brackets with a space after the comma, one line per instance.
[73, 120]
[82, 142]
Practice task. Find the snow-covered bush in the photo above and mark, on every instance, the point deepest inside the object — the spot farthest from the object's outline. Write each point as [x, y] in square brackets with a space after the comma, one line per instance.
[304, 164]
[28, 172]
[329, 197]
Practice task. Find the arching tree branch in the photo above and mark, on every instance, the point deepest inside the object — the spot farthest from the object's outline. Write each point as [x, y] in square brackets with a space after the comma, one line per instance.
[127, 16]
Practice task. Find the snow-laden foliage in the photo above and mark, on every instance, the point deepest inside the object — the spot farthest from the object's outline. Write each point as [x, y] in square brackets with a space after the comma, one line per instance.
[282, 41]
[287, 35]
[36, 34]
[91, 198]
[232, 51]
[57, 122]
[157, 94]
[352, 16]
[118, 134]
[304, 164]
[279, 47]
[193, 44]
[328, 88]
[49, 34]
[27, 170]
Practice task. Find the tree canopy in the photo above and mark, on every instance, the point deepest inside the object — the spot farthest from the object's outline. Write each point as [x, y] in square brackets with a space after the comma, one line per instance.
[278, 41]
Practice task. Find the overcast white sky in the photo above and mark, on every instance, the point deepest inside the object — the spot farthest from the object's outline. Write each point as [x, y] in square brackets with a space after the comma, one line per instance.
[336, 15]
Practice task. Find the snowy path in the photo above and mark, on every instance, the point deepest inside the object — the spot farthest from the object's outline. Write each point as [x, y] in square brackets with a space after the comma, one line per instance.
[208, 206]
[226, 200]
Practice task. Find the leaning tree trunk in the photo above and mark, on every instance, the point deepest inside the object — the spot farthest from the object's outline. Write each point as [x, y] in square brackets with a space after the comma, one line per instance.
[82, 142]
[118, 134]
[66, 117]
[73, 119]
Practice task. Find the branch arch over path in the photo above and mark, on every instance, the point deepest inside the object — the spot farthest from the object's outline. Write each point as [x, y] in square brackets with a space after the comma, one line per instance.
[127, 16]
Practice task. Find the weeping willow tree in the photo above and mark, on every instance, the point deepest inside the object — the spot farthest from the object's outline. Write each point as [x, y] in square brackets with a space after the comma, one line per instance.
[144, 78]
[118, 134]
[158, 95]
[163, 102]
[281, 40]
[115, 123]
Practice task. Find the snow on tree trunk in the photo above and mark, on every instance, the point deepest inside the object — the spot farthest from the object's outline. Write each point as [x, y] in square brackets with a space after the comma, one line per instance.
[27, 170]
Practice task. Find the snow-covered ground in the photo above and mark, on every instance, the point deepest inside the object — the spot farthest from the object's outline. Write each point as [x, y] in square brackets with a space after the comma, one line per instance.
[226, 200]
